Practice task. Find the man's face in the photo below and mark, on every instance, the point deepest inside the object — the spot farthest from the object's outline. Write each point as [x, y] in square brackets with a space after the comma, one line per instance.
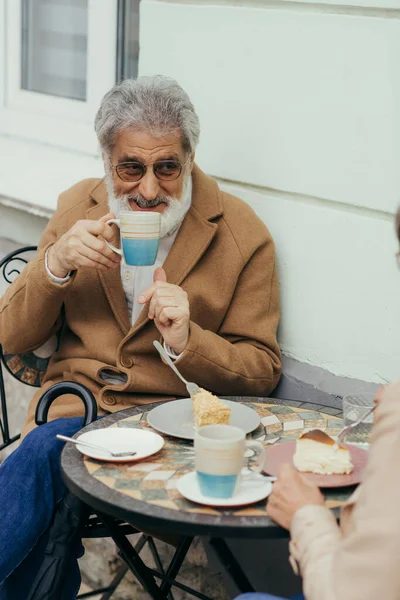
[148, 193]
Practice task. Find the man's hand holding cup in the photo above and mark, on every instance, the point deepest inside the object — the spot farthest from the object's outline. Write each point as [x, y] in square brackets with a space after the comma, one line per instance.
[82, 246]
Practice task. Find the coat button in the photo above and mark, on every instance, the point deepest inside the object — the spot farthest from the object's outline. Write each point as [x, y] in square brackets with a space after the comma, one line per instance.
[109, 400]
[126, 361]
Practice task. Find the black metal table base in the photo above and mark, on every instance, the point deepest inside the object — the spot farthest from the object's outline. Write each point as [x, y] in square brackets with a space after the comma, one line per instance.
[108, 591]
[231, 565]
[147, 576]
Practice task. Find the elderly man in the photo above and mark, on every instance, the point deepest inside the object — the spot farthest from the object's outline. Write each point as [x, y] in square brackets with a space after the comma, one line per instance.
[211, 297]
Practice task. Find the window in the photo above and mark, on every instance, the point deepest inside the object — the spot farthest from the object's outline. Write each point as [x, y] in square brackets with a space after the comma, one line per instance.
[54, 47]
[128, 39]
[57, 60]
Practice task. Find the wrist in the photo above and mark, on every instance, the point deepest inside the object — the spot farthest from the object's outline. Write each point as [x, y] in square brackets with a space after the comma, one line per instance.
[179, 348]
[54, 266]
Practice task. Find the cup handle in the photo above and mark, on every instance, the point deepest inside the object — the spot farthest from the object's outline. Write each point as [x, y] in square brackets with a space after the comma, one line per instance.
[258, 447]
[117, 250]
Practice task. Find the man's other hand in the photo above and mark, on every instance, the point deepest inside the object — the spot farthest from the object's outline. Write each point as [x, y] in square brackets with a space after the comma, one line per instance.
[82, 246]
[169, 307]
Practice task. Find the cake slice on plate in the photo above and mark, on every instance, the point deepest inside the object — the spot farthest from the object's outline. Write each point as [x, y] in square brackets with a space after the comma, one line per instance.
[315, 453]
[209, 410]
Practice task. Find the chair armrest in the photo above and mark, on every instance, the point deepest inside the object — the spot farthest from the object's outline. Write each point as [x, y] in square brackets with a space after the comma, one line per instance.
[66, 387]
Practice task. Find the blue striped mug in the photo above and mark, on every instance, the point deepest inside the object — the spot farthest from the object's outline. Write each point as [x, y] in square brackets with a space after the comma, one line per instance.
[140, 235]
[219, 457]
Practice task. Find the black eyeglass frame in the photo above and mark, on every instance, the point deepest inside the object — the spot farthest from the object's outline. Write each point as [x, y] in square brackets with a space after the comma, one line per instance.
[145, 167]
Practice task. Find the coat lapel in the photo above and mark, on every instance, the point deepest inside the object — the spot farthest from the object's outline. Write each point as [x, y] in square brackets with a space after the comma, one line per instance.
[111, 279]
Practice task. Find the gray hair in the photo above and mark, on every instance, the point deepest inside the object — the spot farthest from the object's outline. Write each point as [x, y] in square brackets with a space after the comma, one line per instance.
[155, 104]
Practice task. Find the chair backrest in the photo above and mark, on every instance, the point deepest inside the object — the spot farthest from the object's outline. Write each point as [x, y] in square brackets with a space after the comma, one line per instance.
[28, 367]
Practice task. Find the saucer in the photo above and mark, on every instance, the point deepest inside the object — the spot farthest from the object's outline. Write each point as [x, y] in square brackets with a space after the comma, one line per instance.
[249, 491]
[121, 439]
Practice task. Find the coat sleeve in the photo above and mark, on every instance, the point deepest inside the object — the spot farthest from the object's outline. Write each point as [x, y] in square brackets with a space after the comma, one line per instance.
[30, 310]
[244, 356]
[364, 564]
[315, 536]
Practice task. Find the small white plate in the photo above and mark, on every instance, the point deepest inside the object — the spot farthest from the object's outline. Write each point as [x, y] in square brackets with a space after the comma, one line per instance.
[250, 490]
[121, 439]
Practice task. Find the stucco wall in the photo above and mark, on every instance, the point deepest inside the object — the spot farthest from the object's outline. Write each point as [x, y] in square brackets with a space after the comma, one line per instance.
[300, 113]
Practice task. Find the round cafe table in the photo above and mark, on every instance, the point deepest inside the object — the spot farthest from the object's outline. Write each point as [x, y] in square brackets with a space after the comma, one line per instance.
[145, 495]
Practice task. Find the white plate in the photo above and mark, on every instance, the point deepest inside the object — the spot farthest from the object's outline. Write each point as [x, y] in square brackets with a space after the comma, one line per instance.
[249, 491]
[176, 418]
[121, 439]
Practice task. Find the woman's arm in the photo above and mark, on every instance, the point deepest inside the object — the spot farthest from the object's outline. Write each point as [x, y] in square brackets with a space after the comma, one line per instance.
[363, 565]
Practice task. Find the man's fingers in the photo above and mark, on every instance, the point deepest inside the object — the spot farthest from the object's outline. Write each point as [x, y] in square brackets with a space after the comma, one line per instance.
[157, 304]
[159, 278]
[169, 313]
[159, 275]
[99, 245]
[95, 257]
[147, 294]
[98, 228]
[107, 217]
[85, 261]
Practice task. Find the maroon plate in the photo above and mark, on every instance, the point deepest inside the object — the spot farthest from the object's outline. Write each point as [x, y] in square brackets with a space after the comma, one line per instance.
[277, 455]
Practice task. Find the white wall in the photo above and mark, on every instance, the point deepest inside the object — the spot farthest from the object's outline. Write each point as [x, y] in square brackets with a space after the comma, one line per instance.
[300, 112]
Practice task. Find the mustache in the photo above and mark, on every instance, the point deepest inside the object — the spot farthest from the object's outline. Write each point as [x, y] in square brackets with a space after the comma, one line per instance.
[144, 203]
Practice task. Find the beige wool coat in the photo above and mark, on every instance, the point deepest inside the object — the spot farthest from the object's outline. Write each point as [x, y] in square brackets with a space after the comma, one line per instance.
[223, 257]
[360, 559]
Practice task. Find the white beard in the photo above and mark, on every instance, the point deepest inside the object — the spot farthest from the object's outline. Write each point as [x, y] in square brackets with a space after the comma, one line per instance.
[173, 215]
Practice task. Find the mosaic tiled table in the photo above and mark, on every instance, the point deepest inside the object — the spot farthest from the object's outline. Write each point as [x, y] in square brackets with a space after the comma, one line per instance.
[145, 493]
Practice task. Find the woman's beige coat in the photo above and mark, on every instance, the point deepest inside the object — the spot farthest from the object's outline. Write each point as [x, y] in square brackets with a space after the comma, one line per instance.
[361, 559]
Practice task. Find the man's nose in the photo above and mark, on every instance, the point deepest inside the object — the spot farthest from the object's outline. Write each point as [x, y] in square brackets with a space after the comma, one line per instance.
[149, 186]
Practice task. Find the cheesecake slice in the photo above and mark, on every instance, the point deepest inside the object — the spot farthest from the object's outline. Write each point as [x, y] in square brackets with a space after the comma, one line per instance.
[315, 453]
[209, 410]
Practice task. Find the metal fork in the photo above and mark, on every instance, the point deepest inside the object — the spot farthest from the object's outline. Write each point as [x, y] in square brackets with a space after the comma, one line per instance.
[191, 387]
[347, 428]
[78, 442]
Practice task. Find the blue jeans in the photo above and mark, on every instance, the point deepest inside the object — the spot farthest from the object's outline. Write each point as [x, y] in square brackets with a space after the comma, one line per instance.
[30, 488]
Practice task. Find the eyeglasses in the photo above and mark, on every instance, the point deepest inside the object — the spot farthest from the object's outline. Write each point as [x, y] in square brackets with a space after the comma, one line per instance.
[166, 170]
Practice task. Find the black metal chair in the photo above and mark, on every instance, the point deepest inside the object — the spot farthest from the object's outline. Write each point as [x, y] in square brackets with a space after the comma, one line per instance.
[29, 368]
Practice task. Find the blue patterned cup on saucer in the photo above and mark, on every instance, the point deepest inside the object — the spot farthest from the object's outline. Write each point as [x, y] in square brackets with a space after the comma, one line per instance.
[140, 235]
[219, 457]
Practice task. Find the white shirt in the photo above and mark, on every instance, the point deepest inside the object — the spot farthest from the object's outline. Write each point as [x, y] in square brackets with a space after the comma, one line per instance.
[136, 280]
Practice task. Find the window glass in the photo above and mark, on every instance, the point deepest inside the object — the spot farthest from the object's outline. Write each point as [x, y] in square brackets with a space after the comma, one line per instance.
[128, 39]
[54, 47]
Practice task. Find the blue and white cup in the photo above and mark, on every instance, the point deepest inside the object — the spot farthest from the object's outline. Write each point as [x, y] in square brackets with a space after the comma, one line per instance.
[140, 235]
[219, 457]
